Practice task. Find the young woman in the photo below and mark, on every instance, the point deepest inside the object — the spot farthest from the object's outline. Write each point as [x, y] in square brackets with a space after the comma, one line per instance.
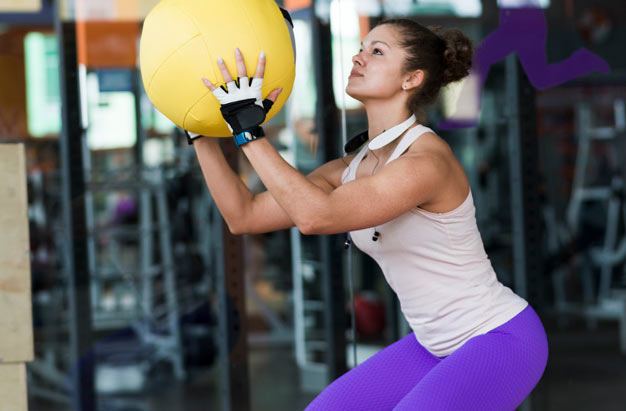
[406, 201]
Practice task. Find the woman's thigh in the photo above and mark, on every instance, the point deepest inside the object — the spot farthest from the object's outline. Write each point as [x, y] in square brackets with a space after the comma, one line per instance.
[493, 371]
[381, 381]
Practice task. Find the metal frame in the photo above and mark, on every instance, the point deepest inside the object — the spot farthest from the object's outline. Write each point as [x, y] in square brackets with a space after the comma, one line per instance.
[524, 179]
[319, 324]
[607, 301]
[232, 319]
[331, 247]
[72, 146]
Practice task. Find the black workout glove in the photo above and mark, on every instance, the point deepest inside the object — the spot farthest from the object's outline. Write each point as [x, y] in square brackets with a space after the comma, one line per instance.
[242, 105]
[240, 115]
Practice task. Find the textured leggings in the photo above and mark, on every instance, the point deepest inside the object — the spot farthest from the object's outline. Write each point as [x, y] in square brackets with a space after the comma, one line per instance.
[493, 371]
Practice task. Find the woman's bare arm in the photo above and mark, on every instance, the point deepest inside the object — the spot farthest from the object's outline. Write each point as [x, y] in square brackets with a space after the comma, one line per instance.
[410, 180]
[243, 211]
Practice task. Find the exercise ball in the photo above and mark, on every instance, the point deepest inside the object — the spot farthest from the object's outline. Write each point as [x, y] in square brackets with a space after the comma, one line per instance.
[180, 43]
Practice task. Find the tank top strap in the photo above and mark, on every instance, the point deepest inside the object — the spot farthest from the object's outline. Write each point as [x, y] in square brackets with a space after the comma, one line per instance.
[349, 173]
[407, 140]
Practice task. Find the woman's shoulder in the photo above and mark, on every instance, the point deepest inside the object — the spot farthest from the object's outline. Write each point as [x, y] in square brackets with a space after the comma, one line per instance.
[431, 149]
[430, 145]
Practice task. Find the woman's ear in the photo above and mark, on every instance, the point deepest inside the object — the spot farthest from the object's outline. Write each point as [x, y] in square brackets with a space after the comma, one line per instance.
[414, 80]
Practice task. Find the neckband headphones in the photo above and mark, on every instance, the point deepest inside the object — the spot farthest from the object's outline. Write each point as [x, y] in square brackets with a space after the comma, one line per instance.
[380, 140]
[377, 142]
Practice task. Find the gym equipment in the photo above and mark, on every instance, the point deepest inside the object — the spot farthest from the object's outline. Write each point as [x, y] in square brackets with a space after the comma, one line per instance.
[369, 314]
[607, 300]
[181, 41]
[144, 295]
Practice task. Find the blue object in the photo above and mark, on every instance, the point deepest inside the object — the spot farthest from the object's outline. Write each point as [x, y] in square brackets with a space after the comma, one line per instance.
[249, 135]
[115, 80]
[43, 16]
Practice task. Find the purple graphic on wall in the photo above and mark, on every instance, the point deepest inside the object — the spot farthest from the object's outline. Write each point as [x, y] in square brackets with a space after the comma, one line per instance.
[523, 31]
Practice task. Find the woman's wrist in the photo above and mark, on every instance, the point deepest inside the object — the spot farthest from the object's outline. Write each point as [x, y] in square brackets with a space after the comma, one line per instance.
[205, 142]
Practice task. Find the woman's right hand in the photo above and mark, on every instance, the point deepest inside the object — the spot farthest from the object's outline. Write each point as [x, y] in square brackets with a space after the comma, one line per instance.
[242, 104]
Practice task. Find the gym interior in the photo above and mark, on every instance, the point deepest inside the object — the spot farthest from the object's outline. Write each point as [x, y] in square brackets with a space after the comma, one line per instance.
[121, 288]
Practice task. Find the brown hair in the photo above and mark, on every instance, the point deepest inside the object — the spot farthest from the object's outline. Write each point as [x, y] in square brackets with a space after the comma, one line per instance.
[445, 57]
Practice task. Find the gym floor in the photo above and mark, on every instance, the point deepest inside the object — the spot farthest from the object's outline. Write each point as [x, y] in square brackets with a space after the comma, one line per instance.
[585, 372]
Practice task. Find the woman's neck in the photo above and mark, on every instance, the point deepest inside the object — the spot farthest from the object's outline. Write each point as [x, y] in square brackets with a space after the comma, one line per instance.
[383, 116]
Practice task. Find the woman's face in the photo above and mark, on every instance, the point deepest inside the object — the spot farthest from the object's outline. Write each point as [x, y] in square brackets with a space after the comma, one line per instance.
[378, 69]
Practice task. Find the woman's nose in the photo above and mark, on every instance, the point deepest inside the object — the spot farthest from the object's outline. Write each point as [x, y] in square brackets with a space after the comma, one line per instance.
[356, 59]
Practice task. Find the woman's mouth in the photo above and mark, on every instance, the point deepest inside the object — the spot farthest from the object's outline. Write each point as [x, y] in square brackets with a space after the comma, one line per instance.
[355, 73]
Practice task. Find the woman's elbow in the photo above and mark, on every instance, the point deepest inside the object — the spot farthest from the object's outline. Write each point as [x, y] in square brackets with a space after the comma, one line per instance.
[234, 230]
[313, 226]
[236, 227]
[306, 229]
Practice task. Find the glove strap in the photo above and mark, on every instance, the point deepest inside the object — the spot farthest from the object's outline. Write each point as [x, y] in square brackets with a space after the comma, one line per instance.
[191, 137]
[249, 135]
[243, 115]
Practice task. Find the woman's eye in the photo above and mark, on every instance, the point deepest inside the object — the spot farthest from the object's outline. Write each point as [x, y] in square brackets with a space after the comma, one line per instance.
[378, 51]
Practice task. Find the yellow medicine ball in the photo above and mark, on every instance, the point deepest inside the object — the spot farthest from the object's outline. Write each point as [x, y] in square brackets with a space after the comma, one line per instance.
[180, 43]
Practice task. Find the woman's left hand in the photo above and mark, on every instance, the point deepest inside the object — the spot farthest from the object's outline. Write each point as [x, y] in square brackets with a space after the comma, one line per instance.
[242, 105]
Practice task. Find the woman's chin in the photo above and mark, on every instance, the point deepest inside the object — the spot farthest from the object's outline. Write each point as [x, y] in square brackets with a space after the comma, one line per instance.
[354, 94]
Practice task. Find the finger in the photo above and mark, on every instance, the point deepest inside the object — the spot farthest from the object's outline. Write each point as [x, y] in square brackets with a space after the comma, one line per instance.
[225, 73]
[274, 94]
[207, 83]
[260, 68]
[241, 65]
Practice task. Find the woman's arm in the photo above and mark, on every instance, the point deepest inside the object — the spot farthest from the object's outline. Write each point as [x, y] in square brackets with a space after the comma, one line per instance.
[403, 184]
[243, 211]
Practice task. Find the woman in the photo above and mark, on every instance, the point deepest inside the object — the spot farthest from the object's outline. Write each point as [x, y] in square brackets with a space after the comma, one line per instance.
[407, 203]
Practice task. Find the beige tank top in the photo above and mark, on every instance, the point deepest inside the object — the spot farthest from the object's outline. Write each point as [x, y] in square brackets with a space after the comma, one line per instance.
[437, 266]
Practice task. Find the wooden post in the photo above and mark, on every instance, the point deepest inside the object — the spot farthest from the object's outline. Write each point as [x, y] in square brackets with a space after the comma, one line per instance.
[13, 387]
[16, 343]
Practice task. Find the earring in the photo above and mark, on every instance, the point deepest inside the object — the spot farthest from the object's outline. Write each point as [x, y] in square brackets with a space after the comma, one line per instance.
[404, 87]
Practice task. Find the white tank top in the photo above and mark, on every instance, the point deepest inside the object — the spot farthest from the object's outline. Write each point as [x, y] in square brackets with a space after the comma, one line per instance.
[437, 266]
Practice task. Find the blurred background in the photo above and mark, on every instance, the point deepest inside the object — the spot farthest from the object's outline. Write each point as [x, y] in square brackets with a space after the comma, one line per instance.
[141, 298]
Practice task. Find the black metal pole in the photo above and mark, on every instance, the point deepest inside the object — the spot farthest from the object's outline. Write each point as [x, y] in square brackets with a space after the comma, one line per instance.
[531, 186]
[532, 203]
[137, 90]
[232, 321]
[525, 184]
[330, 147]
[72, 144]
[525, 196]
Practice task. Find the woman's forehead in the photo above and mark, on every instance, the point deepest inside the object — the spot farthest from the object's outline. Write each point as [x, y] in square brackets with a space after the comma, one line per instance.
[383, 33]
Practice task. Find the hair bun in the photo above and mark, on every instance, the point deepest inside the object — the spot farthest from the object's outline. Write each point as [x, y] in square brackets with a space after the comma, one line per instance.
[457, 56]
[443, 57]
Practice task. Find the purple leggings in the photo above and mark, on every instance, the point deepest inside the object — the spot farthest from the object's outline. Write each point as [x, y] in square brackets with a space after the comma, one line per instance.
[494, 371]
